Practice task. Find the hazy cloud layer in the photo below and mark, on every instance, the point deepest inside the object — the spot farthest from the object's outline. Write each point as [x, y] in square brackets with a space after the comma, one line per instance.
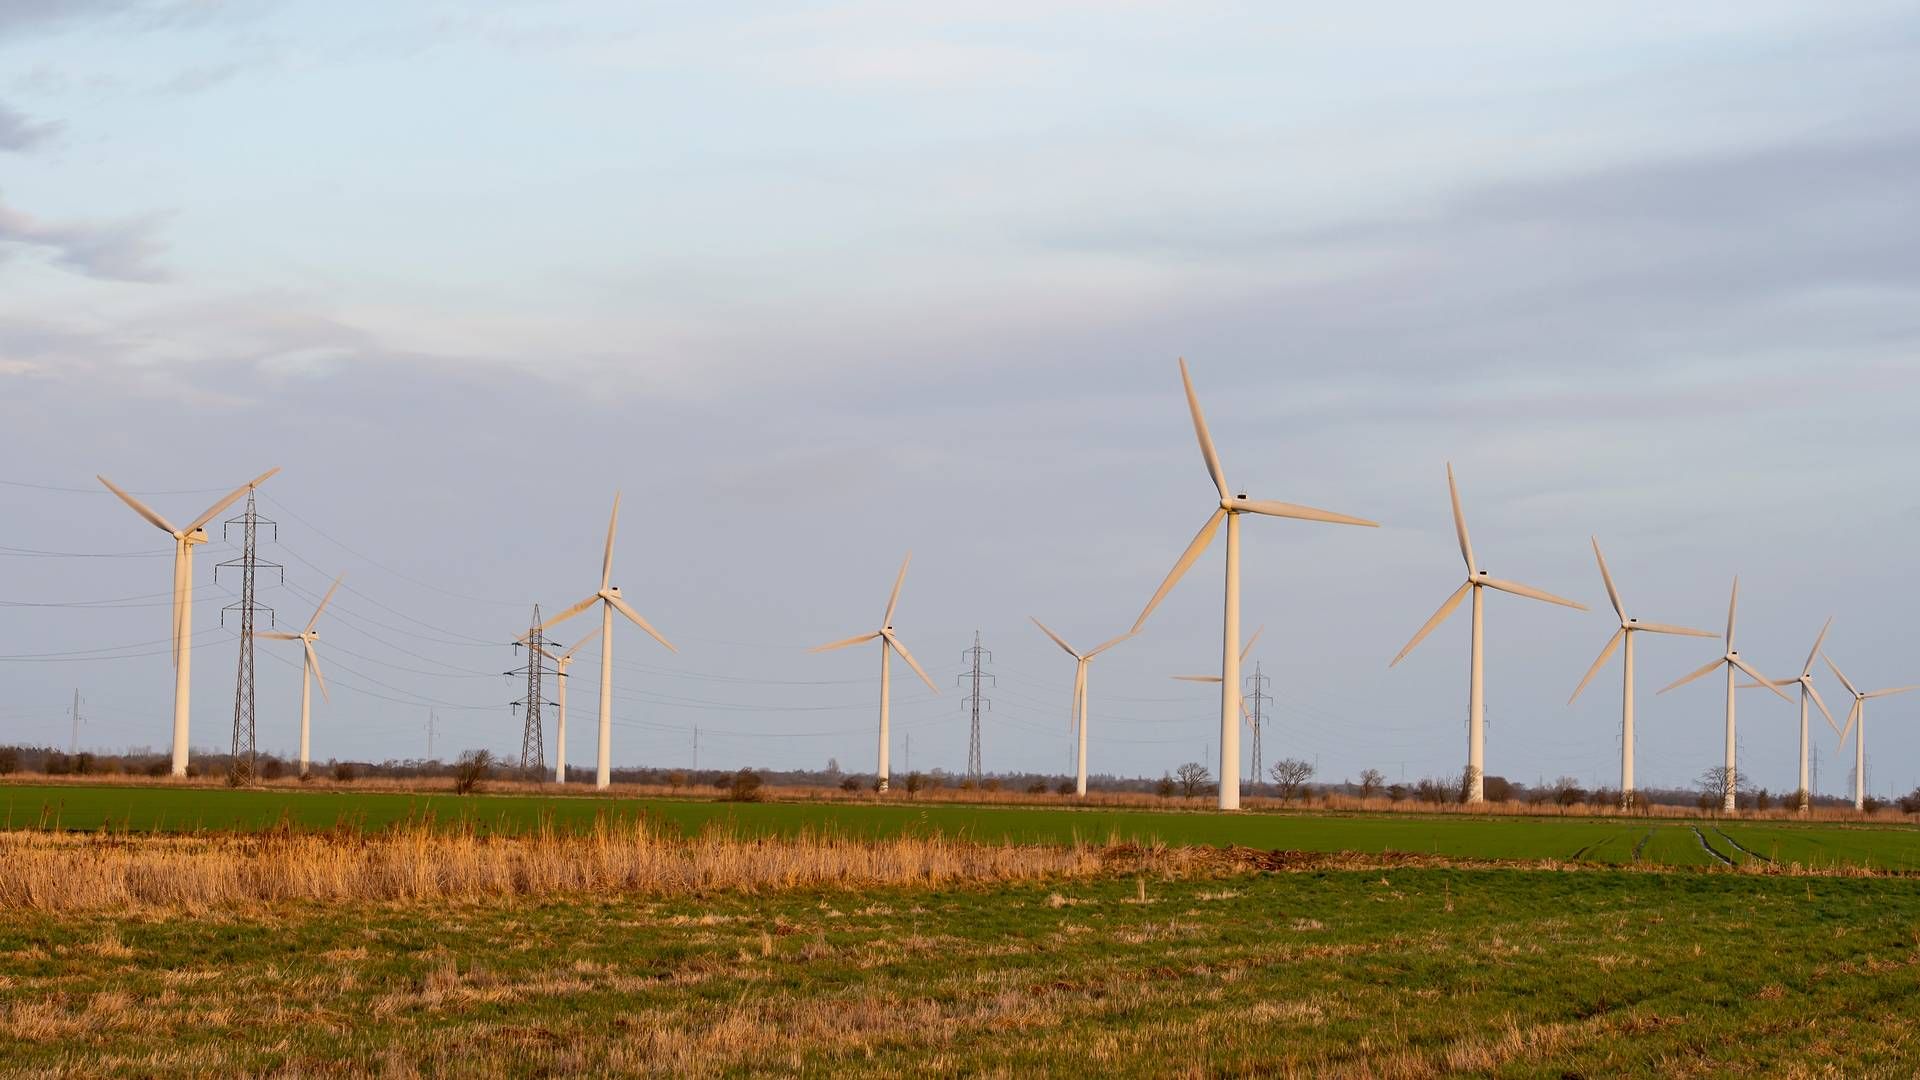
[114, 251]
[17, 132]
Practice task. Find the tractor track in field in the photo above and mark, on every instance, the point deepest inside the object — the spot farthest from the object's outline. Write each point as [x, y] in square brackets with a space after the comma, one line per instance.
[1642, 845]
[1749, 852]
[1709, 848]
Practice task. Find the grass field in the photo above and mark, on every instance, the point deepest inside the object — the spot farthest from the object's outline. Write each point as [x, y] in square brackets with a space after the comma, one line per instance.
[1395, 973]
[1607, 840]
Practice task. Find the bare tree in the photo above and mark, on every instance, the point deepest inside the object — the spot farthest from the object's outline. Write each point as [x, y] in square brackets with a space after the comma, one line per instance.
[1713, 785]
[1193, 778]
[1371, 781]
[1290, 775]
[472, 771]
[1568, 792]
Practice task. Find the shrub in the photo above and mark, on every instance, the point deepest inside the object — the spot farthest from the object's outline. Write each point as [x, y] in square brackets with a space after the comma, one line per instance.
[1065, 787]
[471, 772]
[83, 764]
[1908, 803]
[914, 783]
[850, 784]
[744, 786]
[1164, 788]
[57, 764]
[158, 767]
[1871, 805]
[677, 779]
[272, 769]
[1038, 787]
[9, 760]
[343, 772]
[991, 784]
[1371, 783]
[1497, 789]
[1397, 792]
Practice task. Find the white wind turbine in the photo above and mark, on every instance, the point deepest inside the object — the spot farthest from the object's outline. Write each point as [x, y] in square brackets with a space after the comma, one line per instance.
[1245, 716]
[1230, 508]
[1807, 691]
[1476, 583]
[309, 669]
[609, 600]
[1077, 721]
[889, 644]
[184, 541]
[1857, 723]
[1732, 662]
[561, 663]
[1628, 628]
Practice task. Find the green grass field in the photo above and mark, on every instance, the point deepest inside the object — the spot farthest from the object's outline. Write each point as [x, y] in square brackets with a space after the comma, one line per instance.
[1401, 973]
[1605, 840]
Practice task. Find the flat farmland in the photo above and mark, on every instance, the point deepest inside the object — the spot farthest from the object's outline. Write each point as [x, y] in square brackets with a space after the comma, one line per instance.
[1664, 842]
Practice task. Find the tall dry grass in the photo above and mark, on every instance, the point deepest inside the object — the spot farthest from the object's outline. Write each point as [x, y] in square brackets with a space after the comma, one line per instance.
[101, 871]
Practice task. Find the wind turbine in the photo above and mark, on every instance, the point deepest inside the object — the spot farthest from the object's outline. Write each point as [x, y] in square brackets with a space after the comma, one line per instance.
[1078, 714]
[1230, 508]
[1805, 679]
[609, 600]
[1731, 660]
[184, 541]
[1857, 723]
[1477, 582]
[309, 669]
[1624, 635]
[1245, 716]
[561, 663]
[889, 644]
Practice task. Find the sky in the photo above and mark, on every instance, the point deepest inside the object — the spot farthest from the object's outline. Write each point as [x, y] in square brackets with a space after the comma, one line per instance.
[815, 285]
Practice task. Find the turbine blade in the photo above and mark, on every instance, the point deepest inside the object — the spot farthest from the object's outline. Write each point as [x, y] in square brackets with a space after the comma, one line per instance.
[568, 655]
[1439, 617]
[1301, 513]
[1853, 715]
[841, 644]
[1808, 668]
[1196, 678]
[1663, 628]
[313, 661]
[1605, 655]
[1108, 644]
[1890, 693]
[1759, 678]
[894, 599]
[276, 635]
[1823, 705]
[1249, 646]
[571, 612]
[1056, 638]
[1733, 605]
[323, 602]
[1079, 713]
[1705, 669]
[901, 648]
[1613, 594]
[633, 616]
[1838, 674]
[231, 498]
[606, 560]
[139, 507]
[1200, 429]
[182, 596]
[1194, 550]
[1460, 521]
[1531, 593]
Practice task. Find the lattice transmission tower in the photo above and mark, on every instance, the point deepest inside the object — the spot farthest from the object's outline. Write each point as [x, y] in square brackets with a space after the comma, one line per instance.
[242, 770]
[975, 659]
[533, 751]
[1257, 697]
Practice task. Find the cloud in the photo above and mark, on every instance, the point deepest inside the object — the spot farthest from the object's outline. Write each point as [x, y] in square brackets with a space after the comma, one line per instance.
[17, 132]
[113, 251]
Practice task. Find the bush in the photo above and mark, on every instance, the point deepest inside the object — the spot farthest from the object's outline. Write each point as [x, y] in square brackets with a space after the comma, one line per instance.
[1397, 792]
[1497, 789]
[1065, 787]
[9, 760]
[1908, 803]
[472, 771]
[83, 764]
[57, 764]
[744, 786]
[1871, 805]
[1371, 783]
[850, 784]
[915, 782]
[343, 772]
[991, 784]
[272, 769]
[1038, 787]
[159, 767]
[1164, 788]
[677, 779]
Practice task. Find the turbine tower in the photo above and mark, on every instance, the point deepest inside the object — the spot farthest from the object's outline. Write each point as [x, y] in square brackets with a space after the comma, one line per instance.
[889, 644]
[309, 670]
[608, 597]
[1246, 716]
[1807, 691]
[184, 541]
[560, 664]
[1230, 508]
[1077, 715]
[1857, 723]
[1624, 636]
[1477, 582]
[1732, 662]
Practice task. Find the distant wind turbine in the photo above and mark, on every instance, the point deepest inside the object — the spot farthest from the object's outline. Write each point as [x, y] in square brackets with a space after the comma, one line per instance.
[184, 541]
[1628, 628]
[1078, 714]
[309, 669]
[1477, 582]
[1857, 724]
[561, 663]
[1807, 691]
[889, 644]
[1732, 662]
[608, 597]
[1230, 508]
